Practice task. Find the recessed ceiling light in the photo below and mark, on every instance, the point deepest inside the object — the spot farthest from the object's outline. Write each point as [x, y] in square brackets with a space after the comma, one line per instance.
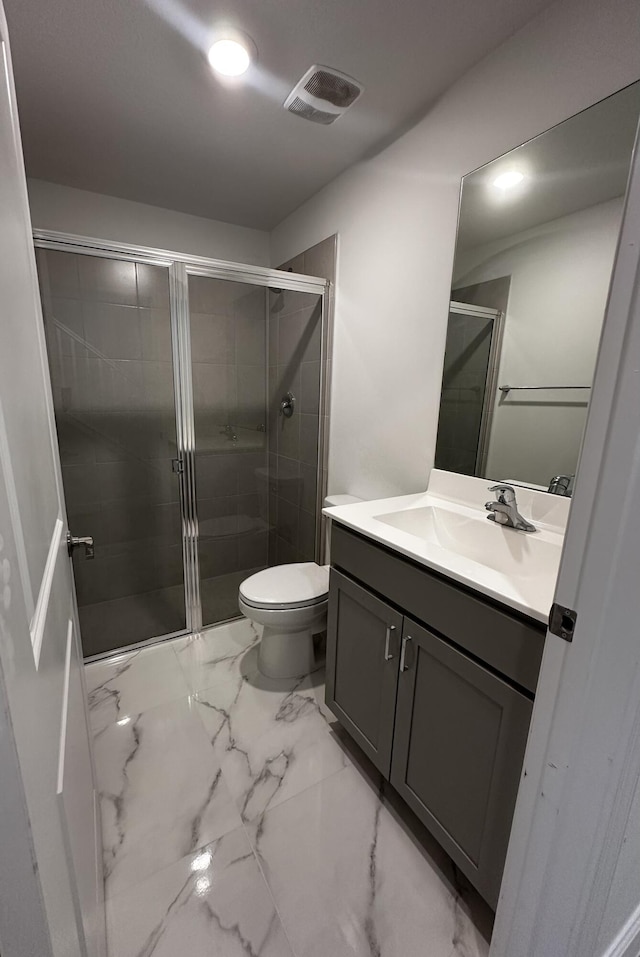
[508, 179]
[229, 57]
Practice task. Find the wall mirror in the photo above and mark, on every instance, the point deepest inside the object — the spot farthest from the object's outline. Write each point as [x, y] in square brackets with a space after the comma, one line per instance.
[537, 234]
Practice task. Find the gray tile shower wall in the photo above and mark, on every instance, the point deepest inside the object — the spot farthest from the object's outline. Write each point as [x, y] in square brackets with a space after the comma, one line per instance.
[298, 445]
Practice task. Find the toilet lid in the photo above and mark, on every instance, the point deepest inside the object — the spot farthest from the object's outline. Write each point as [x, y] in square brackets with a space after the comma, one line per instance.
[287, 586]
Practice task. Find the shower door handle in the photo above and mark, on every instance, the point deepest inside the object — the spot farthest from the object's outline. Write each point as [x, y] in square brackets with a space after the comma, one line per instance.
[85, 542]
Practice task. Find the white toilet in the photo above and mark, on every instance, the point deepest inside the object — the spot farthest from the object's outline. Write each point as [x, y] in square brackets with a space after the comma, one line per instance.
[290, 601]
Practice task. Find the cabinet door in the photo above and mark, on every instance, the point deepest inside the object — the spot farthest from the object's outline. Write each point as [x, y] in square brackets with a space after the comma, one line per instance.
[363, 644]
[458, 747]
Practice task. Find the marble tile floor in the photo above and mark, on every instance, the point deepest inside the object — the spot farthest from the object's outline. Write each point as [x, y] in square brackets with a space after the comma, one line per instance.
[238, 819]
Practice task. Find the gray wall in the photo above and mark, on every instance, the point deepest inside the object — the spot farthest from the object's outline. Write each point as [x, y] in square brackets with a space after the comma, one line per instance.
[295, 348]
[84, 213]
[560, 273]
[396, 214]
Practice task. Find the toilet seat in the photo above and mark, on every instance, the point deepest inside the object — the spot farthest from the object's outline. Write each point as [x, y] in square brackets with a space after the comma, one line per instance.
[300, 585]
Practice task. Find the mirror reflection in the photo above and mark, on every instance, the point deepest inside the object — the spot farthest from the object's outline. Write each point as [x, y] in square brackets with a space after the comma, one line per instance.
[536, 242]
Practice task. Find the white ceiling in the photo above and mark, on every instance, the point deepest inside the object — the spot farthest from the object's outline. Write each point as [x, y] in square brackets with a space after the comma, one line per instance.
[116, 96]
[578, 163]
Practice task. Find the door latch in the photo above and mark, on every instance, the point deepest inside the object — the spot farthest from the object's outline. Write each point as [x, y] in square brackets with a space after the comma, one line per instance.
[562, 621]
[85, 542]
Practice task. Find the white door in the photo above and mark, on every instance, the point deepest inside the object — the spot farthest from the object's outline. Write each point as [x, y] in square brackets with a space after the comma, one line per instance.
[571, 885]
[50, 878]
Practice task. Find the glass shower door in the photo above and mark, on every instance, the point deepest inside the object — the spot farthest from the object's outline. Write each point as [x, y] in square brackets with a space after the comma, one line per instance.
[227, 321]
[256, 469]
[108, 330]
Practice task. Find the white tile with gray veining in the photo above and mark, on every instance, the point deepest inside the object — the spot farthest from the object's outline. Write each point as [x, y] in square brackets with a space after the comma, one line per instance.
[214, 902]
[220, 656]
[192, 743]
[162, 792]
[270, 737]
[349, 881]
[213, 655]
[131, 683]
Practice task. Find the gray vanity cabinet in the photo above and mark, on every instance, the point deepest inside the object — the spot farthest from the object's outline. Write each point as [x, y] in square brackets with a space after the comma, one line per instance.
[460, 735]
[362, 666]
[444, 712]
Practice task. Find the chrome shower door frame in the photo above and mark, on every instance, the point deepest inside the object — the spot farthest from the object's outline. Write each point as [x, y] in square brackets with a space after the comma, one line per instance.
[180, 266]
[255, 276]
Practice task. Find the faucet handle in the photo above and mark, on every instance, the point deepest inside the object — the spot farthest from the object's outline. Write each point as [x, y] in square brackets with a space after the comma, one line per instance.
[559, 484]
[506, 494]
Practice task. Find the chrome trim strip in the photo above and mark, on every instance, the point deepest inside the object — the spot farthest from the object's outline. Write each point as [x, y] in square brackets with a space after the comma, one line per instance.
[138, 645]
[467, 309]
[197, 265]
[490, 392]
[322, 431]
[180, 309]
[256, 276]
[535, 388]
[181, 426]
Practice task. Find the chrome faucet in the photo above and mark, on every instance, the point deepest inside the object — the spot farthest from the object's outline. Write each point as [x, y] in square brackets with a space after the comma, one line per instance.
[504, 510]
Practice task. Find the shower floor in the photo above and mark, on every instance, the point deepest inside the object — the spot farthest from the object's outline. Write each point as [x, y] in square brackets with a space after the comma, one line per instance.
[239, 820]
[108, 625]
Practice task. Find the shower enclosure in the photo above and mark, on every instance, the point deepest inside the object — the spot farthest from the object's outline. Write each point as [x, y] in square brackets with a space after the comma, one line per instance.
[168, 375]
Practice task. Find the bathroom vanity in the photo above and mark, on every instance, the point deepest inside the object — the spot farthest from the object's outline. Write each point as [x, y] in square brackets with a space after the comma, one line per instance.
[434, 678]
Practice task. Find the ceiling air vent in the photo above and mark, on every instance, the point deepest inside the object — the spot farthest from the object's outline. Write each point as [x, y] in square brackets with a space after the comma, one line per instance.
[322, 95]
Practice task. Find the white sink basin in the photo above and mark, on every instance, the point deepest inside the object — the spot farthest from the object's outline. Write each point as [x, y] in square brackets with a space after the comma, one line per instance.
[456, 540]
[513, 553]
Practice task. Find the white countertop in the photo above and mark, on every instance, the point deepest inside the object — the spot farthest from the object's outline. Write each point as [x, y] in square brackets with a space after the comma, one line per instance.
[525, 564]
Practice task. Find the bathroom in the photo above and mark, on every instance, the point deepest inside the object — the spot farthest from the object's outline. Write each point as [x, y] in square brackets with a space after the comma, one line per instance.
[340, 418]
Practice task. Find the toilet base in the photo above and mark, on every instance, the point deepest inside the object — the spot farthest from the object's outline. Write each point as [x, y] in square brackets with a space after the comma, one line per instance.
[286, 654]
[286, 649]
